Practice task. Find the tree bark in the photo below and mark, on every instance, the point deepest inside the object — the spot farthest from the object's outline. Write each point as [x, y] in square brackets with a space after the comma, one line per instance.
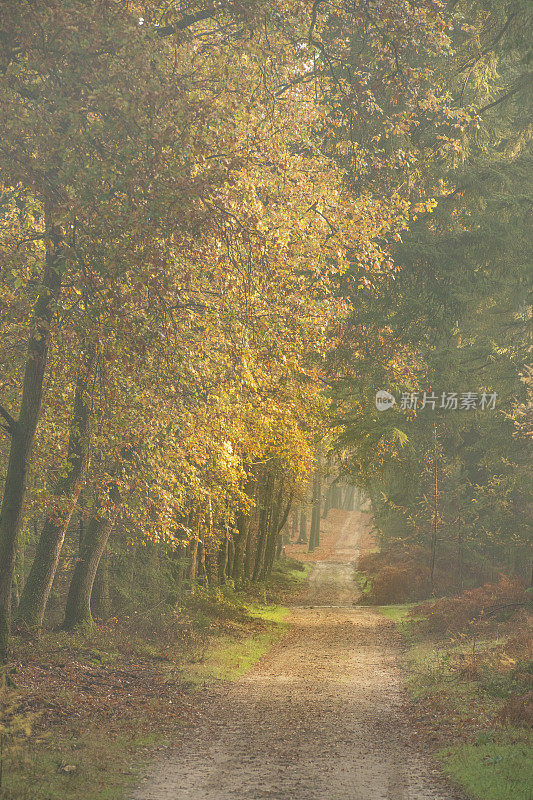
[231, 558]
[193, 556]
[250, 536]
[294, 525]
[326, 504]
[314, 537]
[349, 498]
[239, 548]
[249, 550]
[302, 539]
[78, 607]
[22, 431]
[101, 594]
[272, 533]
[37, 588]
[264, 515]
[281, 526]
[223, 555]
[201, 572]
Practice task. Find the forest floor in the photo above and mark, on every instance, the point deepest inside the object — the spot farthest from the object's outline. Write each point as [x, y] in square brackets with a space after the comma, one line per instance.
[89, 709]
[321, 715]
[295, 691]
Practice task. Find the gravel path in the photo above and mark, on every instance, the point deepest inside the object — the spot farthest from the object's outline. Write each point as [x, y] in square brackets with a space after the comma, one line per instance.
[320, 717]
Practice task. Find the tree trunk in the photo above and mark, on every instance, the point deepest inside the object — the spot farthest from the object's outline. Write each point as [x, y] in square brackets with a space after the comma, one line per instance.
[251, 535]
[294, 525]
[264, 516]
[281, 526]
[302, 539]
[239, 548]
[223, 555]
[193, 555]
[78, 607]
[249, 550]
[22, 431]
[349, 498]
[272, 533]
[326, 504]
[240, 537]
[460, 564]
[202, 569]
[66, 492]
[101, 595]
[231, 558]
[314, 537]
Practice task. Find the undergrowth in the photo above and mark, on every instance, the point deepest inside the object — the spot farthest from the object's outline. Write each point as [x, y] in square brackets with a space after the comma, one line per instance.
[100, 700]
[470, 676]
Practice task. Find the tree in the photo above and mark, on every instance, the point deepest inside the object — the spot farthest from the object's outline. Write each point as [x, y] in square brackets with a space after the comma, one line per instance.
[453, 318]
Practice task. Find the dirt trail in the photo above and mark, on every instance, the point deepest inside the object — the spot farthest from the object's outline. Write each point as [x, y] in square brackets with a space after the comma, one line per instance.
[320, 717]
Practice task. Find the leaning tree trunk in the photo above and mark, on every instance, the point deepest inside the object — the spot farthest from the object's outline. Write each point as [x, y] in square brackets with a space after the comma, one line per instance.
[22, 431]
[78, 608]
[66, 492]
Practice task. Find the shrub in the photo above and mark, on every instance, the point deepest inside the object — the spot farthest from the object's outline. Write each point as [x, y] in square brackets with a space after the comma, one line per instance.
[294, 564]
[454, 614]
[400, 573]
[518, 710]
[397, 575]
[399, 583]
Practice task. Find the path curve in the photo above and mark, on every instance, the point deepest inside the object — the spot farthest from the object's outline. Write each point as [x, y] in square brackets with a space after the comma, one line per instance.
[320, 717]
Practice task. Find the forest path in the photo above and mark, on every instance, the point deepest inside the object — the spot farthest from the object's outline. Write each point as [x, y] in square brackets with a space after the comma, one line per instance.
[320, 717]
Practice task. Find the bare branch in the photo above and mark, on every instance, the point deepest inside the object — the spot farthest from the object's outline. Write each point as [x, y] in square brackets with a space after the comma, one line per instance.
[303, 78]
[11, 424]
[497, 102]
[190, 19]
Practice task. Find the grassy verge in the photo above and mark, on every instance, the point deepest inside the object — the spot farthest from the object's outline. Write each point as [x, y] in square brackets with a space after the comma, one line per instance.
[459, 687]
[227, 657]
[86, 766]
[398, 613]
[102, 701]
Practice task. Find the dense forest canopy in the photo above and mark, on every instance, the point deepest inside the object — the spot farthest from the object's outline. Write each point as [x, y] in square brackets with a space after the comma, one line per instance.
[224, 227]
